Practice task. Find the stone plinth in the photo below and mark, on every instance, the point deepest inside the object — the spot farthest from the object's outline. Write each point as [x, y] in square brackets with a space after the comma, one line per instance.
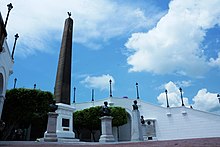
[106, 122]
[65, 122]
[136, 130]
[50, 135]
[144, 131]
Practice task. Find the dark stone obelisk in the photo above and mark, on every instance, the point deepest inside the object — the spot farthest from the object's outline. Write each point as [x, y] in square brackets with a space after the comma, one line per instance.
[63, 77]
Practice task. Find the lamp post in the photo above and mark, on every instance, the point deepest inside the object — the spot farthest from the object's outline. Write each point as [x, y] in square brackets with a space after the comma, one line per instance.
[15, 81]
[92, 95]
[16, 38]
[218, 96]
[9, 9]
[167, 99]
[181, 94]
[110, 82]
[74, 94]
[137, 90]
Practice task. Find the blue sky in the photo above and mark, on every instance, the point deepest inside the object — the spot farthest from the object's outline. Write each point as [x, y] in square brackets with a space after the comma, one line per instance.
[160, 44]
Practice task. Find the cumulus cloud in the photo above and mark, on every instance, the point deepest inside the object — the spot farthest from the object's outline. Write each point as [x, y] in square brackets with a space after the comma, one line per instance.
[98, 82]
[97, 21]
[215, 62]
[174, 96]
[174, 45]
[206, 101]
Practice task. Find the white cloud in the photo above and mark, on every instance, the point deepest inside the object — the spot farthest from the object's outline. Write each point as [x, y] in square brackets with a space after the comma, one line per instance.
[174, 96]
[40, 23]
[174, 45]
[215, 62]
[99, 82]
[206, 101]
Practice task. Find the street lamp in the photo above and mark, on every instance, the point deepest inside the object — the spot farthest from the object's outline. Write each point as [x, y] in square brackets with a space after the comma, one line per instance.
[110, 82]
[9, 9]
[137, 90]
[16, 37]
[181, 95]
[218, 96]
[167, 99]
[15, 81]
[92, 95]
[74, 94]
[35, 86]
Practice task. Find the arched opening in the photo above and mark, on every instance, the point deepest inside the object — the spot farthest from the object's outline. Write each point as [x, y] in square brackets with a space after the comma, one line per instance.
[125, 130]
[1, 84]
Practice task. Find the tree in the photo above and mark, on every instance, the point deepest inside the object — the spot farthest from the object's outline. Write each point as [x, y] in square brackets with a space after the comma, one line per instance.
[90, 118]
[22, 107]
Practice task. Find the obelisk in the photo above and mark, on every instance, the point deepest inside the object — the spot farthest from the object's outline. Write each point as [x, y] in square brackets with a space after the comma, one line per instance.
[63, 77]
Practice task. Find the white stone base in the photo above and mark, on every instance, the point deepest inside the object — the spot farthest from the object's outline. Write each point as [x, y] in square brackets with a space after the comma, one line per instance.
[106, 122]
[144, 131]
[65, 132]
[107, 138]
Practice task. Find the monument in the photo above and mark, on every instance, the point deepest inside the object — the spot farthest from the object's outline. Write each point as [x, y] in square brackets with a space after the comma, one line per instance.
[136, 130]
[106, 122]
[62, 86]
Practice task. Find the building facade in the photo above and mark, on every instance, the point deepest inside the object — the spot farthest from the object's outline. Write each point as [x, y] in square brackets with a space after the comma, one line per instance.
[163, 123]
[6, 63]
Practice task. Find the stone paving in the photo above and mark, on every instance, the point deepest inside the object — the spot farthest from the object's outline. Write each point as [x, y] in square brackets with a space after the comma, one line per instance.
[200, 142]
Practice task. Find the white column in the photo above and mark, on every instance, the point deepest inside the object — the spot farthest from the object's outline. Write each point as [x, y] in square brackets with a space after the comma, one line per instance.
[50, 135]
[136, 130]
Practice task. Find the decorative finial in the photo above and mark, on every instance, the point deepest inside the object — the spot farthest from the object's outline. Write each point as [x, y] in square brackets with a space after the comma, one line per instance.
[13, 50]
[137, 90]
[110, 82]
[181, 94]
[69, 14]
[167, 98]
[9, 9]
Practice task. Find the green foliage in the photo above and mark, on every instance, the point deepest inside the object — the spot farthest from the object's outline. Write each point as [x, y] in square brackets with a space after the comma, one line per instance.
[23, 106]
[90, 118]
[119, 115]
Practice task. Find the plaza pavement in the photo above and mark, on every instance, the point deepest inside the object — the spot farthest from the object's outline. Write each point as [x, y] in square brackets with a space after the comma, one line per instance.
[200, 142]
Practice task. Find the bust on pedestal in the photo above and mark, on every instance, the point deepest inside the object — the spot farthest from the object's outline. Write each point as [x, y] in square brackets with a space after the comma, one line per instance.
[136, 133]
[106, 122]
[144, 128]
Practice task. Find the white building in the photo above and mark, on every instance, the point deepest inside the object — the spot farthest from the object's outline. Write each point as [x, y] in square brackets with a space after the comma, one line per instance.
[6, 64]
[163, 123]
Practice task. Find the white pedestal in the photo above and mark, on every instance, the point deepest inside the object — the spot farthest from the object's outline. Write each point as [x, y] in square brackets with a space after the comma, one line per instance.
[50, 135]
[144, 131]
[106, 122]
[136, 132]
[64, 128]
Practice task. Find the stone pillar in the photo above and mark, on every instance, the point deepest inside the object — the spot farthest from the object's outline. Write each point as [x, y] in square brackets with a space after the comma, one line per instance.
[50, 135]
[144, 131]
[65, 122]
[136, 130]
[106, 122]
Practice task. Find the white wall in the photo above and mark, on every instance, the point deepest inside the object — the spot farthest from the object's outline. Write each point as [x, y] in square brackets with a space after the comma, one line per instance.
[170, 123]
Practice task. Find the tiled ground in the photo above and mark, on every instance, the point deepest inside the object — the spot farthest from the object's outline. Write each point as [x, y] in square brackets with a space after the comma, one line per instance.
[205, 142]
